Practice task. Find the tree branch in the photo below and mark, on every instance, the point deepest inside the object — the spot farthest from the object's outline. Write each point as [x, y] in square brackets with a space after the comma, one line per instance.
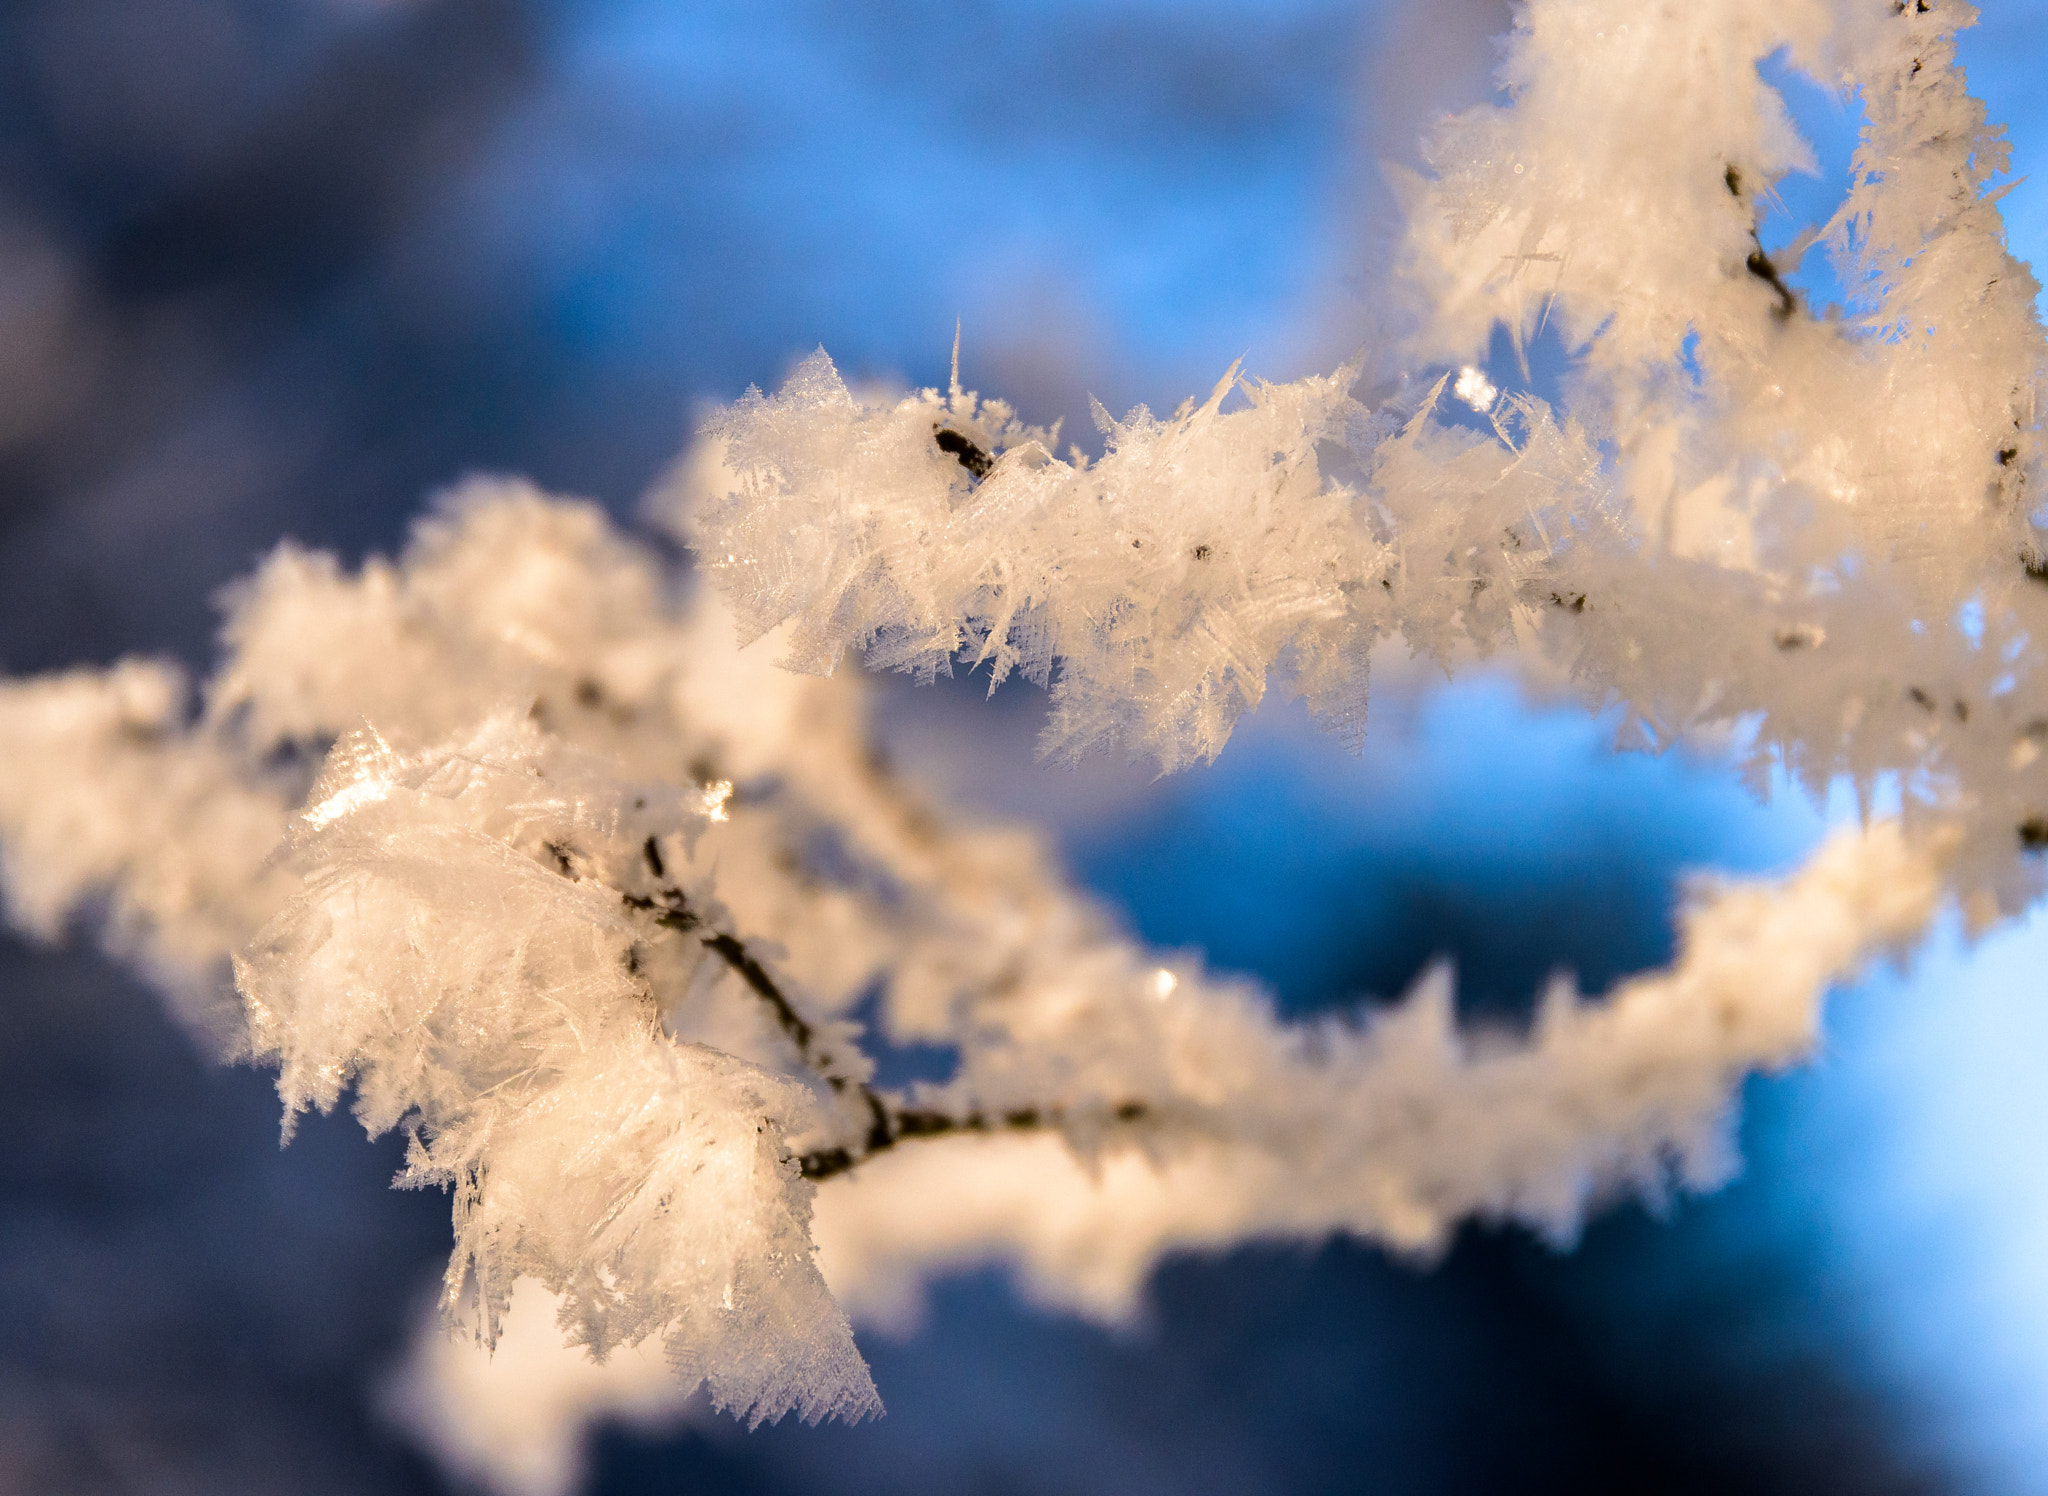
[890, 1121]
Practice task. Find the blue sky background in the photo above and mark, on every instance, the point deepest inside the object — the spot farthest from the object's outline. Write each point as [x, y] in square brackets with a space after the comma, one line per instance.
[283, 266]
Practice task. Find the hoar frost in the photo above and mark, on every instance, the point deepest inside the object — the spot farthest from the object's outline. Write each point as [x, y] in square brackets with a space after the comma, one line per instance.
[606, 1001]
[463, 956]
[509, 843]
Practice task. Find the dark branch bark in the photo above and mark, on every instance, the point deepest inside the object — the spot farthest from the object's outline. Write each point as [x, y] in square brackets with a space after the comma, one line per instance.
[890, 1123]
[1759, 265]
[964, 450]
[733, 954]
[911, 1124]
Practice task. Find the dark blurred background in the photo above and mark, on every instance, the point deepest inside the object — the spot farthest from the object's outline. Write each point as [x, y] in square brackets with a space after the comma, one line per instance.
[283, 267]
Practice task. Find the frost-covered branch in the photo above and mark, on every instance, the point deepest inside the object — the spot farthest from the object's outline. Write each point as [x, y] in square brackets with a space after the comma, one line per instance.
[581, 895]
[1816, 528]
[1397, 1130]
[607, 1003]
[493, 1006]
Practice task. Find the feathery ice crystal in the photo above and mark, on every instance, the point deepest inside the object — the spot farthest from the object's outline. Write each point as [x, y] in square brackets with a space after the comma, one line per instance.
[509, 841]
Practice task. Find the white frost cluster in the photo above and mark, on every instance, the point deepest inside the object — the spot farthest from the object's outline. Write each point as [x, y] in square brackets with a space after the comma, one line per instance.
[508, 843]
[1818, 528]
[463, 957]
[106, 796]
[1164, 580]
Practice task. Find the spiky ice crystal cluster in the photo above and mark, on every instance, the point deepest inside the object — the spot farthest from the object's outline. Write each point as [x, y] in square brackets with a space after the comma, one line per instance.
[581, 896]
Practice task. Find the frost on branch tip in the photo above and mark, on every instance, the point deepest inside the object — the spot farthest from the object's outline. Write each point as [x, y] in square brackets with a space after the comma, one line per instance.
[460, 956]
[105, 797]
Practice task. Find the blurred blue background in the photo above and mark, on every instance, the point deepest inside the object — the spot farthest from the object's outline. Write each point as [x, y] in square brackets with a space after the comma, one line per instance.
[277, 267]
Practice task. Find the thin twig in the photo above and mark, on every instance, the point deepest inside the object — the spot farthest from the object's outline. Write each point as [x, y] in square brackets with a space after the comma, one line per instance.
[889, 1122]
